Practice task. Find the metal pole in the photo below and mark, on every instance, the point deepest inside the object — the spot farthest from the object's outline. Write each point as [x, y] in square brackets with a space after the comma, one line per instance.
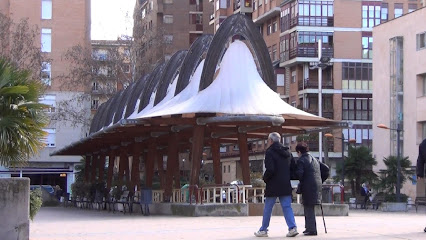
[398, 163]
[320, 96]
[343, 166]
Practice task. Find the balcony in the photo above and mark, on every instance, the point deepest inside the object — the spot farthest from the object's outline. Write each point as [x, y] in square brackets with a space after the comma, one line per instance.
[302, 51]
[311, 83]
[311, 21]
[326, 113]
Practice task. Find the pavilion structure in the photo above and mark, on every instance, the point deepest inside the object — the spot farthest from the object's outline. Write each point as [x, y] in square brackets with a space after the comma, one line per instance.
[219, 91]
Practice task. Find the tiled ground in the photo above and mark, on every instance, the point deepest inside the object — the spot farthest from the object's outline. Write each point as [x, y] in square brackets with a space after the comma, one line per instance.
[76, 224]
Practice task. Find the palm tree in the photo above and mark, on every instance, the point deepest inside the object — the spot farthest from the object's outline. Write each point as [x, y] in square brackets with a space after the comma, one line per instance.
[359, 167]
[388, 178]
[21, 116]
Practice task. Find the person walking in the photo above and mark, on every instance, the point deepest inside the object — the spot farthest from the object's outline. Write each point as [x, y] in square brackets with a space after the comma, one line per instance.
[365, 192]
[279, 164]
[421, 161]
[310, 186]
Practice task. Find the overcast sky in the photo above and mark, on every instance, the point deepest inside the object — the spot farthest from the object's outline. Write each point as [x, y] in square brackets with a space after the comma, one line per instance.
[111, 18]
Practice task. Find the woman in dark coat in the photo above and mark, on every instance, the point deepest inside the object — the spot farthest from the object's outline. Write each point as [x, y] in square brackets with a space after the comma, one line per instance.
[309, 174]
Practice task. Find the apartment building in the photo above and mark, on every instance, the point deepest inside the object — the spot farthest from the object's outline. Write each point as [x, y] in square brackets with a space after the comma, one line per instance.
[62, 25]
[291, 30]
[111, 69]
[399, 90]
[162, 27]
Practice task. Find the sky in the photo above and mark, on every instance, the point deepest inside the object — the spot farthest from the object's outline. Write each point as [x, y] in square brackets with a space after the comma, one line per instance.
[111, 18]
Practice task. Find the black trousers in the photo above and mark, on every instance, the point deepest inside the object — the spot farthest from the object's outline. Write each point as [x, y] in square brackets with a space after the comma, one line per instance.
[310, 222]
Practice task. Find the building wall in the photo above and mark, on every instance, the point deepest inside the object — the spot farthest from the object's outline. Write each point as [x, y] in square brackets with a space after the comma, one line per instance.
[413, 105]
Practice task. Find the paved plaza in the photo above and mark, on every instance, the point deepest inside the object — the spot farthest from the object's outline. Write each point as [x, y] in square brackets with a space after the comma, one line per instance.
[76, 224]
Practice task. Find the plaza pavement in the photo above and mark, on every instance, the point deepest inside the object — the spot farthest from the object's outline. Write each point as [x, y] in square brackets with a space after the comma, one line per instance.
[76, 224]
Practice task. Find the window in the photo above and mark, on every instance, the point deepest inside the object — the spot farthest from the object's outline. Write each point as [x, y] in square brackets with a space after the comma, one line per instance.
[236, 148]
[50, 100]
[412, 7]
[421, 41]
[168, 1]
[314, 13]
[50, 140]
[46, 73]
[293, 76]
[100, 54]
[126, 68]
[363, 134]
[260, 2]
[274, 52]
[269, 29]
[95, 86]
[398, 11]
[370, 14]
[384, 12]
[222, 149]
[196, 18]
[95, 103]
[168, 39]
[357, 76]
[367, 46]
[224, 169]
[143, 13]
[280, 80]
[168, 18]
[46, 40]
[274, 26]
[229, 168]
[359, 109]
[46, 9]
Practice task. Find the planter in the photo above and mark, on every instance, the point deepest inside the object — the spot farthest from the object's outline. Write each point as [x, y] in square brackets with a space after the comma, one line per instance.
[393, 207]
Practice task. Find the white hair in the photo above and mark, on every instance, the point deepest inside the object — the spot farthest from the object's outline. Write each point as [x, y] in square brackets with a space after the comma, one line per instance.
[275, 137]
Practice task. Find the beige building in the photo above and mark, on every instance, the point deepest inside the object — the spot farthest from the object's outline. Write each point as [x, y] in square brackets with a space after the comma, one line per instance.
[163, 27]
[62, 25]
[399, 89]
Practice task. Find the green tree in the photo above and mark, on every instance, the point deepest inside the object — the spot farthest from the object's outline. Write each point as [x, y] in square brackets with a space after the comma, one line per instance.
[359, 167]
[389, 176]
[21, 116]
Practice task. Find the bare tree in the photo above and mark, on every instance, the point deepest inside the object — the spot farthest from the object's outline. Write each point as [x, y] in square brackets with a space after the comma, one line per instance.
[18, 44]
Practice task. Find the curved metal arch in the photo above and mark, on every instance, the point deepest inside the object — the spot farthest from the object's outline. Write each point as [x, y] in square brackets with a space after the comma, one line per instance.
[122, 103]
[96, 118]
[172, 69]
[192, 59]
[151, 85]
[237, 24]
[135, 95]
[112, 108]
[101, 121]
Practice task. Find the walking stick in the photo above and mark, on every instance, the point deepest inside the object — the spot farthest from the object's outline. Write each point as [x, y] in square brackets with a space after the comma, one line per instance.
[323, 220]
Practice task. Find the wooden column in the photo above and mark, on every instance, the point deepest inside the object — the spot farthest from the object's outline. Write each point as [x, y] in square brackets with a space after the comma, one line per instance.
[87, 168]
[172, 156]
[149, 163]
[137, 148]
[197, 153]
[244, 157]
[93, 167]
[123, 166]
[215, 148]
[101, 167]
[111, 161]
[159, 160]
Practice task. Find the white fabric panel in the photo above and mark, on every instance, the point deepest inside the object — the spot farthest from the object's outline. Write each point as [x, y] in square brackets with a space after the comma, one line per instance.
[238, 89]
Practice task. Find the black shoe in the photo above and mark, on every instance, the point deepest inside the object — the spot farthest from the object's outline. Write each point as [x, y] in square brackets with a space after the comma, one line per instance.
[308, 233]
[305, 231]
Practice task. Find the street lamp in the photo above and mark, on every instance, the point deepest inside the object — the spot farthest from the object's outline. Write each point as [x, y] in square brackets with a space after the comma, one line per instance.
[329, 135]
[398, 157]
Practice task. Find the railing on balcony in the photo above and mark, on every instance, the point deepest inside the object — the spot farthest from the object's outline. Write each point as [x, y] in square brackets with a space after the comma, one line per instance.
[311, 51]
[310, 83]
[314, 21]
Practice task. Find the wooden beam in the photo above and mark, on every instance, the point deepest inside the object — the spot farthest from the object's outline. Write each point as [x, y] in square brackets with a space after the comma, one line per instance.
[244, 157]
[101, 167]
[135, 179]
[87, 168]
[172, 156]
[149, 163]
[93, 167]
[196, 153]
[111, 158]
[215, 149]
[122, 165]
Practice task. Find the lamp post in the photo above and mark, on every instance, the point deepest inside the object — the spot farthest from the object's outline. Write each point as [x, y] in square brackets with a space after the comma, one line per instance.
[398, 157]
[329, 135]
